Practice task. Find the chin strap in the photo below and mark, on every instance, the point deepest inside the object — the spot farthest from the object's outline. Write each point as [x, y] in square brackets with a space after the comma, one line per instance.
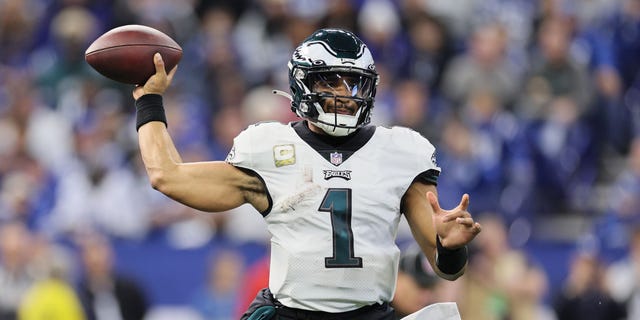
[282, 93]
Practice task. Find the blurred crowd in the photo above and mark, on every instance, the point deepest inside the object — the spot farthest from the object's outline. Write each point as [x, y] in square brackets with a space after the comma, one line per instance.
[533, 105]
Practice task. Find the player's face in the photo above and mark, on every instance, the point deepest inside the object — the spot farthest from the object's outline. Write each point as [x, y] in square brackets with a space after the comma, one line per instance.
[340, 87]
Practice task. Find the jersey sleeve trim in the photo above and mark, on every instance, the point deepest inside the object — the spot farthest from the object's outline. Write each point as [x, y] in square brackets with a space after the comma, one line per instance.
[428, 177]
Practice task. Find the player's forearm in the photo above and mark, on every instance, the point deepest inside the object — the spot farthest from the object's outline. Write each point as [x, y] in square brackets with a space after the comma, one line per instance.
[449, 264]
[156, 145]
[171, 148]
[159, 155]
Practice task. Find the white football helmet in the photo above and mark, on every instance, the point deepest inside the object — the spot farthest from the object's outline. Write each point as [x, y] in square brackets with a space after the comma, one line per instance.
[341, 64]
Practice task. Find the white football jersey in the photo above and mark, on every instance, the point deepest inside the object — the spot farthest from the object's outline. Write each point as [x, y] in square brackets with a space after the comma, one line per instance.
[335, 208]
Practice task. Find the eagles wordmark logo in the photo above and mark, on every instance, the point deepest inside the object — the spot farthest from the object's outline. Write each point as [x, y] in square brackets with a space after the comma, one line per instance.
[342, 174]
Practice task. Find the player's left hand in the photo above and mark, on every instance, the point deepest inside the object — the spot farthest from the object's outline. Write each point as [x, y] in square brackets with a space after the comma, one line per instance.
[455, 227]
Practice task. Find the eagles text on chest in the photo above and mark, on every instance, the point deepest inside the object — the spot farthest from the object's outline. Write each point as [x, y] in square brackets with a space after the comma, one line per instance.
[342, 174]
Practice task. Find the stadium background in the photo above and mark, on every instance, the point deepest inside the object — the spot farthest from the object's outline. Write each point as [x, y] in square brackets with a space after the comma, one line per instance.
[533, 107]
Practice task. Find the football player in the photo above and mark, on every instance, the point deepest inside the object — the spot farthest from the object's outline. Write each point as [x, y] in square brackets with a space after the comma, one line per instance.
[331, 187]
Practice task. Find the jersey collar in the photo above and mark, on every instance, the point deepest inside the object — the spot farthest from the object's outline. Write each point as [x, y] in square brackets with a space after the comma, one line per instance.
[325, 145]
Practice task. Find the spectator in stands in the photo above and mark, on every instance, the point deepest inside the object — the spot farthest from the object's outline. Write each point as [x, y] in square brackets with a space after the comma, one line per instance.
[457, 156]
[261, 28]
[555, 70]
[563, 151]
[105, 293]
[623, 276]
[28, 171]
[500, 149]
[612, 115]
[503, 283]
[381, 30]
[341, 14]
[71, 31]
[218, 298]
[584, 295]
[624, 26]
[15, 275]
[52, 295]
[622, 208]
[98, 189]
[484, 153]
[417, 107]
[483, 65]
[431, 48]
[593, 27]
[18, 26]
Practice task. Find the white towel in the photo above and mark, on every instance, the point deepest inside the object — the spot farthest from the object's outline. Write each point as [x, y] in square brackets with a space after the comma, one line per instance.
[436, 311]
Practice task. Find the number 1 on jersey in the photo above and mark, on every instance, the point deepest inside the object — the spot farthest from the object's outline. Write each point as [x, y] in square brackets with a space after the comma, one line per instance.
[337, 201]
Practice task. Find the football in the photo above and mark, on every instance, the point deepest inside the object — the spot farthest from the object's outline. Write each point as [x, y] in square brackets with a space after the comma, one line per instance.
[125, 54]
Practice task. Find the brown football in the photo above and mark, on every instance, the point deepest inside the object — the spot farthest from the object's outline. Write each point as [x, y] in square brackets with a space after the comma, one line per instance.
[125, 54]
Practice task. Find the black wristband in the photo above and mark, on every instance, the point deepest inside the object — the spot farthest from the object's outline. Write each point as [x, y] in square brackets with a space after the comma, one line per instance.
[149, 108]
[450, 261]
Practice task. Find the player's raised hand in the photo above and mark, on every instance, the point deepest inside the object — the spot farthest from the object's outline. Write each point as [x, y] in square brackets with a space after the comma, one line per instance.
[158, 82]
[455, 227]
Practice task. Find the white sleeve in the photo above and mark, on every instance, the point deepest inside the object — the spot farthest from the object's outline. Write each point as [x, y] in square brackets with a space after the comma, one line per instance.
[253, 147]
[425, 152]
[415, 150]
[241, 152]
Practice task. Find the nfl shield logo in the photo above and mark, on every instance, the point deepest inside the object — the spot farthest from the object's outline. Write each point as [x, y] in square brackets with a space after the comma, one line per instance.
[336, 158]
